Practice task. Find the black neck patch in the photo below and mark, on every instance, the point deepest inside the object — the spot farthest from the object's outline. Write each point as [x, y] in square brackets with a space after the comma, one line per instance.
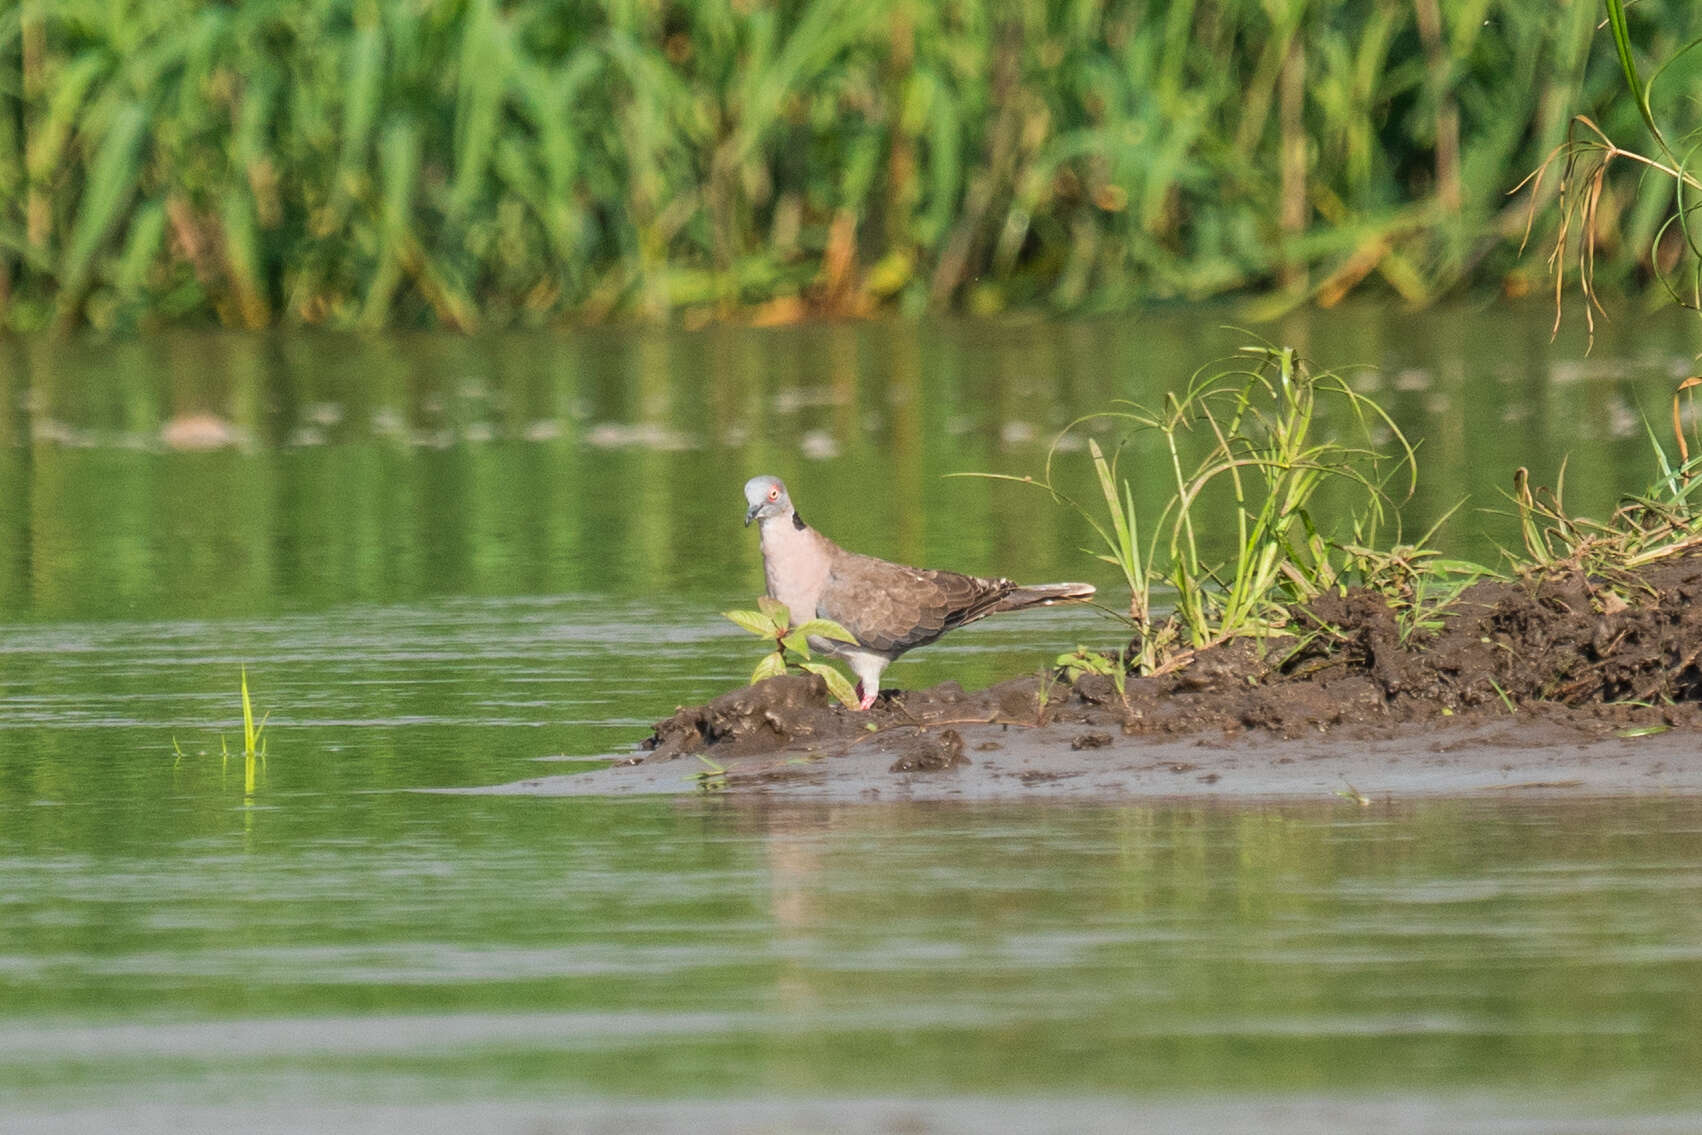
[798, 522]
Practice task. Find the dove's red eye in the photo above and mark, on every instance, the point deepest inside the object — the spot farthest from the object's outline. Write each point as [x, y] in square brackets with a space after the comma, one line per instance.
[773, 494]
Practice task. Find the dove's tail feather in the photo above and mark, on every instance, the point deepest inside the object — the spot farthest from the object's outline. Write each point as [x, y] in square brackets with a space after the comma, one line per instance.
[1044, 594]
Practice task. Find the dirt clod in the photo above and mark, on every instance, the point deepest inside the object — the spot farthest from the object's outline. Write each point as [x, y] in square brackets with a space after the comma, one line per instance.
[936, 752]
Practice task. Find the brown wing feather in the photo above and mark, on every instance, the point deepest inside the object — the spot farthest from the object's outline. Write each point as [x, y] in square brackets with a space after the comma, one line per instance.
[891, 608]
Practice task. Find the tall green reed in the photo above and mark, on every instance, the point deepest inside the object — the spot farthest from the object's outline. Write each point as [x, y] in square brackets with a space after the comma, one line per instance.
[354, 162]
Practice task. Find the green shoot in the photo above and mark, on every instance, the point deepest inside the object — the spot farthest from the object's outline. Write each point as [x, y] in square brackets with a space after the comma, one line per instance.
[253, 743]
[1085, 661]
[711, 777]
[1354, 794]
[1043, 695]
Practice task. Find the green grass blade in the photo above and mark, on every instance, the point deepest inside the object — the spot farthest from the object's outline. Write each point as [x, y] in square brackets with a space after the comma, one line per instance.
[113, 177]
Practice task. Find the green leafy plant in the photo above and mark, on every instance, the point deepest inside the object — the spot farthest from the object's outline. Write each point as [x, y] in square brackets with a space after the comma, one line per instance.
[1084, 661]
[773, 621]
[1416, 580]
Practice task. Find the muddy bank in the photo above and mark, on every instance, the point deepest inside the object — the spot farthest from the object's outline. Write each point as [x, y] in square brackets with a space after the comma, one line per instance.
[1563, 685]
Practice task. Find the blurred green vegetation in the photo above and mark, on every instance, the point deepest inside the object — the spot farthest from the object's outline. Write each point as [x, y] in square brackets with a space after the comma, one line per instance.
[470, 162]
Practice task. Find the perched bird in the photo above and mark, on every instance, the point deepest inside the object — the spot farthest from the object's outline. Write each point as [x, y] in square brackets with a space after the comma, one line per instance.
[887, 607]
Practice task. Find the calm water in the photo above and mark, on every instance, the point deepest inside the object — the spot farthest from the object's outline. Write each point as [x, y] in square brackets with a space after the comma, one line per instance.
[448, 564]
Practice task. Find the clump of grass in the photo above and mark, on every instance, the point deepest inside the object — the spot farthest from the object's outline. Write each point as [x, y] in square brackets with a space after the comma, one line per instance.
[1243, 455]
[1662, 521]
[1417, 581]
[1666, 518]
[773, 621]
[1046, 684]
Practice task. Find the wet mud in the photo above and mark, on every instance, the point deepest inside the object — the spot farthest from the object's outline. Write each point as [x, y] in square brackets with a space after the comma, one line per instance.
[1559, 684]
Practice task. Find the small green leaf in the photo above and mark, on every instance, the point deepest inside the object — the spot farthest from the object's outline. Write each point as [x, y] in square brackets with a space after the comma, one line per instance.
[836, 683]
[827, 628]
[1642, 731]
[771, 666]
[775, 610]
[798, 644]
[753, 622]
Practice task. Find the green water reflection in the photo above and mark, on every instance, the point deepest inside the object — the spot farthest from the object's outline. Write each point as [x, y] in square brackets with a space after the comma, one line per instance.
[1543, 952]
[345, 470]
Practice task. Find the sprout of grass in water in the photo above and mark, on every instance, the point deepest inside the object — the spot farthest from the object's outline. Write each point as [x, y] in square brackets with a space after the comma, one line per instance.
[711, 777]
[1354, 794]
[772, 621]
[253, 736]
[253, 741]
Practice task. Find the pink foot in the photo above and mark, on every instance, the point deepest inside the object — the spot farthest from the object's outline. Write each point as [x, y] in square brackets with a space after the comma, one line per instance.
[864, 700]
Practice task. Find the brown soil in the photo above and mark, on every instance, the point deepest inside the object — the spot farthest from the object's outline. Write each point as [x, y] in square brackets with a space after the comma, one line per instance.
[1561, 666]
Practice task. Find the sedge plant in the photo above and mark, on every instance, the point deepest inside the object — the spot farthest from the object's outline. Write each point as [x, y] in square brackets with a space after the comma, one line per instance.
[1242, 452]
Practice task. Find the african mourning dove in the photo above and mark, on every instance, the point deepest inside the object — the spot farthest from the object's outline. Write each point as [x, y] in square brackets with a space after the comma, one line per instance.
[887, 607]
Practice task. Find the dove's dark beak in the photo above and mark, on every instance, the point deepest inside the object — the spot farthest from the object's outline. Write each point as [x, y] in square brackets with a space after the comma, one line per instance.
[750, 514]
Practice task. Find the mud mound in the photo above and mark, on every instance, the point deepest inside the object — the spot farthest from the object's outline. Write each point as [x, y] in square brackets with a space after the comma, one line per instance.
[794, 709]
[1566, 649]
[1566, 639]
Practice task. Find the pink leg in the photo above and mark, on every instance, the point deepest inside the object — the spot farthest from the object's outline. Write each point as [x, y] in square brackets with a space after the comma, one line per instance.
[864, 700]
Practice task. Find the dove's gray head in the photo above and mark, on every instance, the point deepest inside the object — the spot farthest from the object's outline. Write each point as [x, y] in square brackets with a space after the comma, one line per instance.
[766, 497]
